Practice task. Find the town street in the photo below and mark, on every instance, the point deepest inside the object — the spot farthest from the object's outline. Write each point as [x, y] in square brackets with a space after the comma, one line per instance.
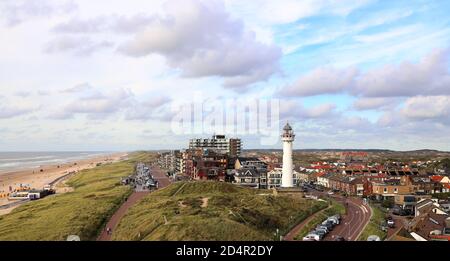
[353, 223]
[357, 216]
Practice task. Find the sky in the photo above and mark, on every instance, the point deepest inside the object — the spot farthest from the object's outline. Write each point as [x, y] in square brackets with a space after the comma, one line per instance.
[105, 75]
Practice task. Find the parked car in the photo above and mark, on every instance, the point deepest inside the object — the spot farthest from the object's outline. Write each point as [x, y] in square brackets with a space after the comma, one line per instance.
[391, 223]
[339, 238]
[330, 192]
[311, 237]
[320, 233]
[335, 220]
[328, 224]
[322, 227]
[373, 238]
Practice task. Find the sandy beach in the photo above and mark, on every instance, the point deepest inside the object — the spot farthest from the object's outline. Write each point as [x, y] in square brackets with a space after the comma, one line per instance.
[37, 178]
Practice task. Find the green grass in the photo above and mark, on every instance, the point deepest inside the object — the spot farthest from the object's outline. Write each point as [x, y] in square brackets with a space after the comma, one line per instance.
[83, 212]
[374, 226]
[334, 208]
[233, 213]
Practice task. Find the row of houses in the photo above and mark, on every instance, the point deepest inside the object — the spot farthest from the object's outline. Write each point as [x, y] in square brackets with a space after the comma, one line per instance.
[383, 185]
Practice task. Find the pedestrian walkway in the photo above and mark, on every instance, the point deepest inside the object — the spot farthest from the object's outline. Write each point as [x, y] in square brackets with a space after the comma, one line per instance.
[162, 179]
[114, 221]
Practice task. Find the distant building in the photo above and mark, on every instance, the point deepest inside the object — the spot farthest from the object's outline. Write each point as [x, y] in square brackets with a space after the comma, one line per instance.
[250, 177]
[393, 187]
[218, 143]
[354, 157]
[168, 160]
[254, 163]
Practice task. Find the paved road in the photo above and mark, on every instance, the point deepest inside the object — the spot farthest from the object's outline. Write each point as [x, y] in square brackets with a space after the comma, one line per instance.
[163, 181]
[353, 222]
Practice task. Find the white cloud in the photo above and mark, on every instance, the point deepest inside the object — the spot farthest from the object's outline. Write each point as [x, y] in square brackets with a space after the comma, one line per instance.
[95, 103]
[81, 46]
[388, 35]
[153, 108]
[427, 107]
[288, 11]
[320, 81]
[295, 110]
[201, 39]
[10, 109]
[364, 103]
[429, 76]
[78, 88]
[105, 23]
[15, 12]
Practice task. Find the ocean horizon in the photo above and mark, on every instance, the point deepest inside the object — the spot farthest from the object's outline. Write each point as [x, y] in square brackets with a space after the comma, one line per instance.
[18, 160]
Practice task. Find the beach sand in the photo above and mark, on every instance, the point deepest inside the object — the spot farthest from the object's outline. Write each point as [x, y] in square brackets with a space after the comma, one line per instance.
[36, 179]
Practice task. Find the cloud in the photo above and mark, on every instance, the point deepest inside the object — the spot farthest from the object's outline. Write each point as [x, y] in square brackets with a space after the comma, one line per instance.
[429, 76]
[78, 88]
[289, 11]
[201, 39]
[296, 110]
[10, 109]
[104, 23]
[15, 12]
[95, 103]
[321, 81]
[80, 46]
[364, 103]
[23, 94]
[388, 35]
[427, 107]
[154, 108]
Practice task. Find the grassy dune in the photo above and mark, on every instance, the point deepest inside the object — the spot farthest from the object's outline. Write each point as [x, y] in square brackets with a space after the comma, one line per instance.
[180, 212]
[97, 194]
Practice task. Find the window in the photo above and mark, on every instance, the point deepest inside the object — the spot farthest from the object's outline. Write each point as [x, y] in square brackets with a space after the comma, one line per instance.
[385, 190]
[395, 190]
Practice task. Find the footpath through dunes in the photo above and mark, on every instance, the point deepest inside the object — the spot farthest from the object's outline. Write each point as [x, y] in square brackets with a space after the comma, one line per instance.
[83, 212]
[207, 210]
[135, 197]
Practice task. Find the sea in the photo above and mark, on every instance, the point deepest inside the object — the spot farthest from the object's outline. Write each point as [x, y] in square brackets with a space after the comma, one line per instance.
[12, 161]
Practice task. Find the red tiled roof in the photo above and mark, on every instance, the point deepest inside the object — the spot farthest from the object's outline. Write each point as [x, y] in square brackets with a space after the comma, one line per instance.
[437, 178]
[320, 174]
[322, 167]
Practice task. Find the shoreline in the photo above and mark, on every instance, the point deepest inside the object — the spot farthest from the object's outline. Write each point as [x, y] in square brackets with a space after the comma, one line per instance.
[50, 174]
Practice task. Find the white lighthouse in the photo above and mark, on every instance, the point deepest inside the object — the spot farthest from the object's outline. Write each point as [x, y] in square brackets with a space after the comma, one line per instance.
[288, 138]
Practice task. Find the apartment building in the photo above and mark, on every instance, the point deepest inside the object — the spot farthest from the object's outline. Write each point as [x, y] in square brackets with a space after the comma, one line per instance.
[218, 143]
